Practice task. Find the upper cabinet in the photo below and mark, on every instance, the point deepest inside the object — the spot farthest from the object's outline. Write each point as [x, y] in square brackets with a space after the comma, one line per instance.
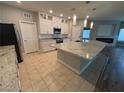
[43, 23]
[48, 22]
[64, 26]
[49, 27]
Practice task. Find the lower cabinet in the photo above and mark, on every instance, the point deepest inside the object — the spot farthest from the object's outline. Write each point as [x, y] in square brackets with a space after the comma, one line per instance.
[45, 45]
[66, 40]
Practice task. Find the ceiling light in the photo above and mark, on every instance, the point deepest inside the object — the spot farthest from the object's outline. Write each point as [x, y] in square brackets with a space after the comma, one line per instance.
[87, 17]
[50, 11]
[69, 17]
[61, 15]
[18, 2]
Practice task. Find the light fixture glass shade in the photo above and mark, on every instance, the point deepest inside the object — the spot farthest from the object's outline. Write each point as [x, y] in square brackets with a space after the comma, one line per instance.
[87, 17]
[51, 11]
[74, 19]
[18, 2]
[61, 15]
[69, 17]
[91, 25]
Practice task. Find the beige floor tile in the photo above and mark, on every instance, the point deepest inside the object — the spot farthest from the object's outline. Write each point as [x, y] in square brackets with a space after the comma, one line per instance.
[38, 85]
[71, 88]
[27, 90]
[44, 90]
[86, 87]
[26, 85]
[49, 79]
[40, 72]
[55, 87]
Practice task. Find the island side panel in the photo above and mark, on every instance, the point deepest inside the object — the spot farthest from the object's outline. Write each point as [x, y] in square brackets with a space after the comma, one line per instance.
[70, 60]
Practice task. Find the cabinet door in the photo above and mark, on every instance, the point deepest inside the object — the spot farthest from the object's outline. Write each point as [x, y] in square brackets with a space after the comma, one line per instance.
[66, 28]
[50, 27]
[67, 40]
[76, 32]
[46, 45]
[43, 26]
[62, 28]
[54, 22]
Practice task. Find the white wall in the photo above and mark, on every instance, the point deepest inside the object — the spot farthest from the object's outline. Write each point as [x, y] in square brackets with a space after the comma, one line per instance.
[10, 14]
[0, 13]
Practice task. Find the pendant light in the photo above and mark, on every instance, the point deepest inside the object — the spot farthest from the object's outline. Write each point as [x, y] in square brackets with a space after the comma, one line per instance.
[85, 23]
[91, 25]
[74, 19]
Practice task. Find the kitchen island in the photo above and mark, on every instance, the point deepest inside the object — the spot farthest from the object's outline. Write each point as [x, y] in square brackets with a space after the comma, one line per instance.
[9, 81]
[77, 56]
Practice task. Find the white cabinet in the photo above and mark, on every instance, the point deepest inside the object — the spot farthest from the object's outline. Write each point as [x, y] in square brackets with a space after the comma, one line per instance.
[76, 32]
[64, 28]
[43, 25]
[56, 22]
[45, 45]
[67, 40]
[50, 27]
[48, 22]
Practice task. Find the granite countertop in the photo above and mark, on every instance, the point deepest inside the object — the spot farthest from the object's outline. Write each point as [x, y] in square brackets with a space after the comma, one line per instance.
[87, 50]
[5, 49]
[52, 38]
[8, 69]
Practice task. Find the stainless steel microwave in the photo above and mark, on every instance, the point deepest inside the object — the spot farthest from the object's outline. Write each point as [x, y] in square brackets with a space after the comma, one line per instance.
[57, 30]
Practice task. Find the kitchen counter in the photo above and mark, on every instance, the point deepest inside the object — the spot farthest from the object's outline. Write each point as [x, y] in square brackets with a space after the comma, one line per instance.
[9, 81]
[46, 44]
[79, 55]
[87, 50]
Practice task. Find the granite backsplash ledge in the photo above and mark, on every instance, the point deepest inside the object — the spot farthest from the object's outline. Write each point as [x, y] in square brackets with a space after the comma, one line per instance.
[42, 36]
[9, 81]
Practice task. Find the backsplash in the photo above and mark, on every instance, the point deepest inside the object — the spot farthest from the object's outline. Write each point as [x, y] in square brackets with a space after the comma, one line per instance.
[42, 36]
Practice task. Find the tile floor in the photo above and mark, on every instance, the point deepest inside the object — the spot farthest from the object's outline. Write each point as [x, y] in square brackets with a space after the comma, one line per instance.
[40, 72]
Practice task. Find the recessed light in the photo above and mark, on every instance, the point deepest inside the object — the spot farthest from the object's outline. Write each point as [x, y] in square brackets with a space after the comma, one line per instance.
[69, 17]
[18, 2]
[51, 11]
[61, 15]
[87, 16]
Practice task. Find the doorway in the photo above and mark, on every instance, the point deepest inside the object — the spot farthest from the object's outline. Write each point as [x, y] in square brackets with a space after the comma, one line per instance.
[121, 35]
[29, 36]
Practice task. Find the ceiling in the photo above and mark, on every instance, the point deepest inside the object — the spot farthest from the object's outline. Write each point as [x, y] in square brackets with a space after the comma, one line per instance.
[105, 10]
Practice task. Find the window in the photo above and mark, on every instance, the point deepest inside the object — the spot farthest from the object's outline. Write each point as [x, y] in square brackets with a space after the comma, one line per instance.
[86, 33]
[121, 35]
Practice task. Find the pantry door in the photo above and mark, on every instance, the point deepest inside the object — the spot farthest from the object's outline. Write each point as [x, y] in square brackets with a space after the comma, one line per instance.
[29, 36]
